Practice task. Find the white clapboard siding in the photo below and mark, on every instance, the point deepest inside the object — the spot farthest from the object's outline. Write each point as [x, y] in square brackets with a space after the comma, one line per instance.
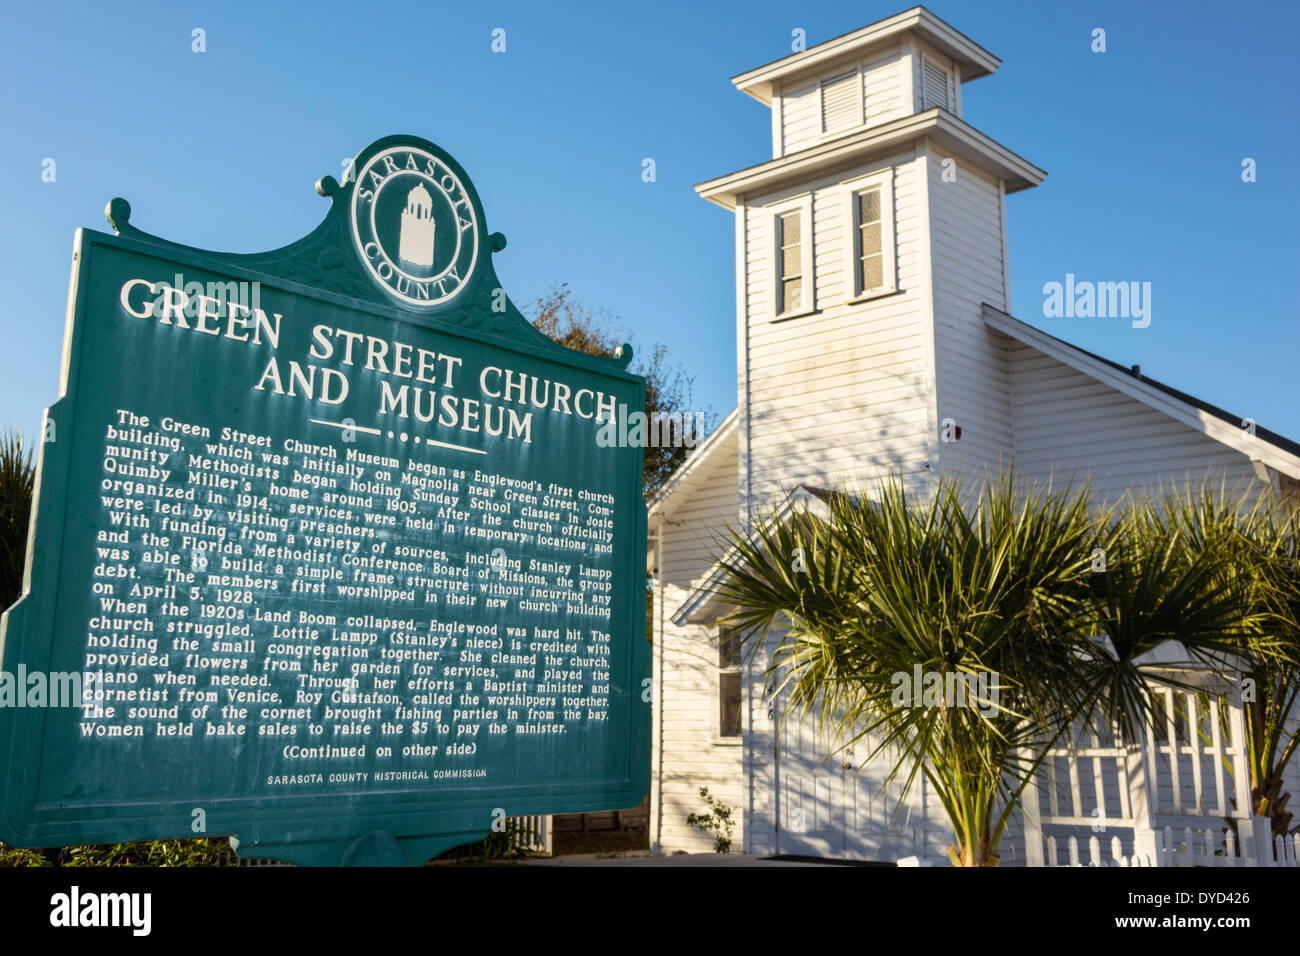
[972, 374]
[1077, 428]
[846, 97]
[686, 663]
[829, 244]
[801, 117]
[884, 87]
[840, 394]
[1291, 775]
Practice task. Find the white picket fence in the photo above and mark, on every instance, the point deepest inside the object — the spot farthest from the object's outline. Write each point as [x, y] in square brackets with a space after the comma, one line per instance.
[1069, 854]
[1164, 799]
[1210, 848]
[1190, 848]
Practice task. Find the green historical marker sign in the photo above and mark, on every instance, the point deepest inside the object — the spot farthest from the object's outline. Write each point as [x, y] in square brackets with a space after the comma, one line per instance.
[328, 539]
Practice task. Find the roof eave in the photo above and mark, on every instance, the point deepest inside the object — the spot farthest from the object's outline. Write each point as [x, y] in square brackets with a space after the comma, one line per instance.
[973, 60]
[938, 124]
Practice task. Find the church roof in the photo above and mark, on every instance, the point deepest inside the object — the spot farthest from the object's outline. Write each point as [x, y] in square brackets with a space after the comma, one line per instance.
[694, 462]
[1265, 446]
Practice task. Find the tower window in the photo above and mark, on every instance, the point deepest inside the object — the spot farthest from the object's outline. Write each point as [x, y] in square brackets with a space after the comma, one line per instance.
[791, 243]
[869, 235]
[871, 272]
[793, 291]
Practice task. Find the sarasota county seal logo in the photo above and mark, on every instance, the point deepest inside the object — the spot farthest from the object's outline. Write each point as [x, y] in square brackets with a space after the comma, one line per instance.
[414, 225]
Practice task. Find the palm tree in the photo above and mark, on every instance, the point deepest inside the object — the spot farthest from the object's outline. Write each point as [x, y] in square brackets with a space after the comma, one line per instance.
[1255, 550]
[1160, 585]
[16, 476]
[1272, 716]
[885, 585]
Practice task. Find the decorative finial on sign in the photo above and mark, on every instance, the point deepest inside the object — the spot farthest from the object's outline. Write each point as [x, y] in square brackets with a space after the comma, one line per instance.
[118, 213]
[623, 354]
[497, 241]
[327, 186]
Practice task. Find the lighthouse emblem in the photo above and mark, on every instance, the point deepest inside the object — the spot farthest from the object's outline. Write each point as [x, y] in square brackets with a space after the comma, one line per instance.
[415, 224]
[415, 240]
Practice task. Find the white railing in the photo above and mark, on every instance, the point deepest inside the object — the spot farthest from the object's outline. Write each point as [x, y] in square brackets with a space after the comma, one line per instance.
[1170, 794]
[535, 834]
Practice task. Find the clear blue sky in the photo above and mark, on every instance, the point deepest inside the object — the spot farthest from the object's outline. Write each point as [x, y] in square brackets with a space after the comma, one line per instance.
[1143, 146]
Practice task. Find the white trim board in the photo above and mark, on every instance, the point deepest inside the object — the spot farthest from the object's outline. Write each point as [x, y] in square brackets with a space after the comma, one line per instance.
[950, 132]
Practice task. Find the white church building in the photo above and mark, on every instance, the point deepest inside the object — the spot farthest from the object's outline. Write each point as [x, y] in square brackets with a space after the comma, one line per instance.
[874, 336]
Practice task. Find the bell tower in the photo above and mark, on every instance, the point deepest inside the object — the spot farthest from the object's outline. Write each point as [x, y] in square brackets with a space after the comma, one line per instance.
[865, 248]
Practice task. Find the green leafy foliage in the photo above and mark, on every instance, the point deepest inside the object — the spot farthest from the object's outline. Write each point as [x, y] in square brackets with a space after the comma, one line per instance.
[213, 851]
[11, 856]
[559, 316]
[505, 844]
[719, 821]
[498, 846]
[1254, 554]
[16, 476]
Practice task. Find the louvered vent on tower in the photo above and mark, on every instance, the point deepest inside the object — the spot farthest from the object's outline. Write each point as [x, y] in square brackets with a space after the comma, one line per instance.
[934, 84]
[841, 102]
